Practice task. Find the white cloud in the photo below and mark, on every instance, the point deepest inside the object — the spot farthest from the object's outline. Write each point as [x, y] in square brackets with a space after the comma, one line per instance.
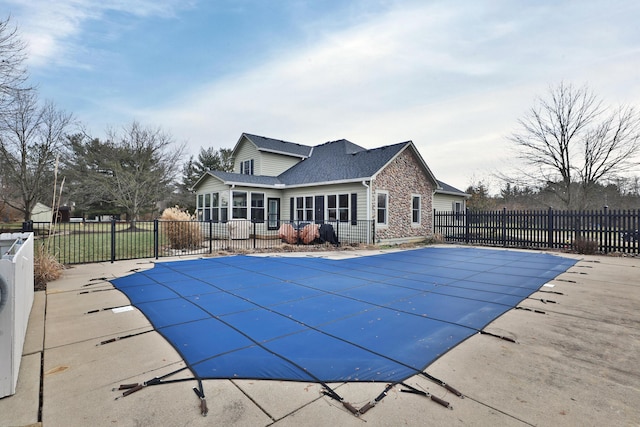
[53, 29]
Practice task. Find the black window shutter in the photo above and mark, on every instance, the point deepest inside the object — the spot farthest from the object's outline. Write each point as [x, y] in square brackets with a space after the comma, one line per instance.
[354, 209]
[291, 209]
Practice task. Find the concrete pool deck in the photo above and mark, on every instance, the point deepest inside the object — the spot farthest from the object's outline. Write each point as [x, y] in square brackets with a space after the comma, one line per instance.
[576, 363]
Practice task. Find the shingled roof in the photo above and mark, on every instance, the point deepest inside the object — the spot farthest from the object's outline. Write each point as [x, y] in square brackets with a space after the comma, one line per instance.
[340, 160]
[449, 189]
[279, 146]
[331, 162]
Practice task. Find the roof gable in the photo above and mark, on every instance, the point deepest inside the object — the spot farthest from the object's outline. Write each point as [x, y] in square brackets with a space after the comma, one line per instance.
[451, 190]
[275, 146]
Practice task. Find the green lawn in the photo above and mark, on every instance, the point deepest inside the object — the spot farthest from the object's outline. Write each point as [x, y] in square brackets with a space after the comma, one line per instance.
[74, 243]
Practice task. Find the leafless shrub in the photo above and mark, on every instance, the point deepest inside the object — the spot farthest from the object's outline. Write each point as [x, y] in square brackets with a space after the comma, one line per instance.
[585, 247]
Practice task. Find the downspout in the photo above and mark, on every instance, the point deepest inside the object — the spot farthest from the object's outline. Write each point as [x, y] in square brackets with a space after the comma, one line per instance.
[364, 183]
[230, 212]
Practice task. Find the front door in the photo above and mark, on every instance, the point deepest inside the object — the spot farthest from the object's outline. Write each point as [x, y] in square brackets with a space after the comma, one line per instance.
[273, 213]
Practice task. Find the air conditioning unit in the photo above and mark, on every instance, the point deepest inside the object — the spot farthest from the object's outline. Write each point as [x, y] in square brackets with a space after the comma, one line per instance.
[16, 299]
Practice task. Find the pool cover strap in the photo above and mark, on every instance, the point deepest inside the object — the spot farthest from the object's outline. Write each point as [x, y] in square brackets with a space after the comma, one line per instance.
[413, 390]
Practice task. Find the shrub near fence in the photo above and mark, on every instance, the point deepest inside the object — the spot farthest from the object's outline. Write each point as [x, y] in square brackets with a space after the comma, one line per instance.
[86, 242]
[606, 230]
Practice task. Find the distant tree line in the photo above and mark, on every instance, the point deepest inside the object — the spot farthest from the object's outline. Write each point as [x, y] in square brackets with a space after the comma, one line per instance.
[621, 194]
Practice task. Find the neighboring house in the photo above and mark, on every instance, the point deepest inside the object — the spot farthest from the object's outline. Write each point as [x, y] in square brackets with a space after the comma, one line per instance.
[337, 182]
[449, 199]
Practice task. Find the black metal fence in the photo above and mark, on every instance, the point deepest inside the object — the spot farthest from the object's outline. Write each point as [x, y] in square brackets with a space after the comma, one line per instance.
[86, 242]
[611, 230]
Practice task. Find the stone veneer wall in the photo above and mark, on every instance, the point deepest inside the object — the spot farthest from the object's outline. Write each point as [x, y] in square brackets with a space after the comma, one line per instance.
[403, 178]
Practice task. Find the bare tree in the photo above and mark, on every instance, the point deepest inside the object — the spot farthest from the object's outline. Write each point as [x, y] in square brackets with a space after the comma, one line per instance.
[133, 169]
[13, 73]
[570, 142]
[30, 138]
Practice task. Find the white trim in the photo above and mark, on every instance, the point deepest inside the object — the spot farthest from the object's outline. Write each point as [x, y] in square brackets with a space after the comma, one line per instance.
[384, 224]
[283, 153]
[419, 223]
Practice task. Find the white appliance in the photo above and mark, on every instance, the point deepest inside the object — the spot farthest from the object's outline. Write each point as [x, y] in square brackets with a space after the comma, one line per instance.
[16, 299]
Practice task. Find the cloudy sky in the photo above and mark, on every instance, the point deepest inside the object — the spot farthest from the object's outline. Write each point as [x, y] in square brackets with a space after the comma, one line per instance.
[452, 76]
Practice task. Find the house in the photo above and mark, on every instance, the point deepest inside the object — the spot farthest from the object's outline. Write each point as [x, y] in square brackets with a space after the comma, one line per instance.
[449, 199]
[390, 188]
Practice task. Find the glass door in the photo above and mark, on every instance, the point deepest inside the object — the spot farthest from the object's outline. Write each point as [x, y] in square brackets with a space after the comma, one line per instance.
[273, 213]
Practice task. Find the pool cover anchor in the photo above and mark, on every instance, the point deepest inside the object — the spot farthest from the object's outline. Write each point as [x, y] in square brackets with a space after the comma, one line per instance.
[502, 337]
[375, 401]
[442, 383]
[436, 399]
[328, 391]
[199, 391]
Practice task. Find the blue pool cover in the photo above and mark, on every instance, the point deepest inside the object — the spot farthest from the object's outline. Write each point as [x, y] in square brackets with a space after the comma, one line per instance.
[375, 318]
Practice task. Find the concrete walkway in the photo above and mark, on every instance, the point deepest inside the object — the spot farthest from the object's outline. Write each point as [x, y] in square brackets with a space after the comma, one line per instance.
[575, 364]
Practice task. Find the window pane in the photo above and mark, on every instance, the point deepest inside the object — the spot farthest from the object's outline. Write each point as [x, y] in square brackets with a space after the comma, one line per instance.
[331, 202]
[257, 207]
[382, 208]
[239, 205]
[257, 200]
[344, 200]
[215, 200]
[200, 200]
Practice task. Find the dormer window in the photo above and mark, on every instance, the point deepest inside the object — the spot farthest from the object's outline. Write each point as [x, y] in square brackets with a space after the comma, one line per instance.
[246, 167]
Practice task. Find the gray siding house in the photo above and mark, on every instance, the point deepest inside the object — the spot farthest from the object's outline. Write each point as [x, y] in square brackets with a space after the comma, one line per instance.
[276, 181]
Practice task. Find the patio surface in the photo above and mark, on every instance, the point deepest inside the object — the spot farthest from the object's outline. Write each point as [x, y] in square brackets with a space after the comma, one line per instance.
[577, 363]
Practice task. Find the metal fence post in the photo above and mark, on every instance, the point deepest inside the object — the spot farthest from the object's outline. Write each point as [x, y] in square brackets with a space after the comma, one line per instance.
[550, 228]
[607, 229]
[210, 236]
[504, 227]
[466, 225]
[254, 234]
[156, 238]
[113, 240]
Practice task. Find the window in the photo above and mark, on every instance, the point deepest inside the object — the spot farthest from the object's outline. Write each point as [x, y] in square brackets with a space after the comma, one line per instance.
[239, 205]
[339, 209]
[332, 212]
[457, 208]
[383, 206]
[415, 209]
[257, 207]
[308, 208]
[215, 207]
[343, 207]
[304, 208]
[207, 208]
[200, 207]
[246, 167]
